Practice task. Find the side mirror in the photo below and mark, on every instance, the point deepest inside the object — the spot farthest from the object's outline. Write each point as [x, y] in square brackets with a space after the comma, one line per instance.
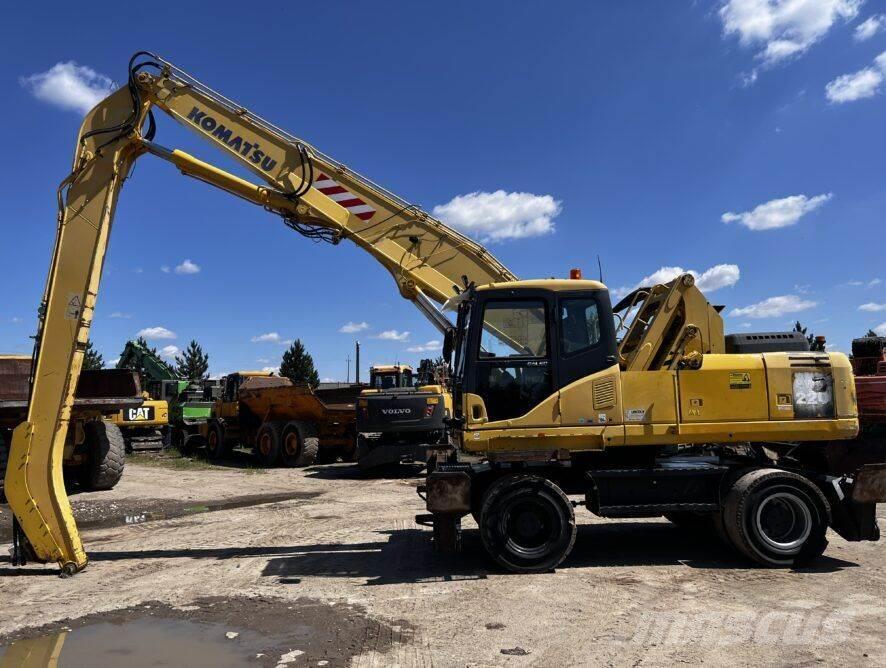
[447, 346]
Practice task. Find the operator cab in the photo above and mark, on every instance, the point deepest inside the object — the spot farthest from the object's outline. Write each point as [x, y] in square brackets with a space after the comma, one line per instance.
[518, 343]
[390, 377]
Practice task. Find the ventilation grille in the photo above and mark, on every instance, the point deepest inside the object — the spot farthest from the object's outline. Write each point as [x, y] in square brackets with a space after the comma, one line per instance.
[604, 393]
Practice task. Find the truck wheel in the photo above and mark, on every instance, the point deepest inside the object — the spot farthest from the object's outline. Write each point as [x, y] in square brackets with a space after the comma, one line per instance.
[190, 443]
[776, 518]
[216, 448]
[268, 443]
[299, 445]
[527, 523]
[105, 456]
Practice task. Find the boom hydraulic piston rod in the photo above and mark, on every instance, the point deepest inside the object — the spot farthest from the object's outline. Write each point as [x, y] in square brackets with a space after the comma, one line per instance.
[315, 195]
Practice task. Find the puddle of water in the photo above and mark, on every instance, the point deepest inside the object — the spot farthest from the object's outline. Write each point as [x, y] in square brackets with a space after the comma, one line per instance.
[139, 643]
[100, 516]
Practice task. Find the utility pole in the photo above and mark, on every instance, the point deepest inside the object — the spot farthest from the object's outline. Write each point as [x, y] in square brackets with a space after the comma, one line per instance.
[357, 364]
[348, 375]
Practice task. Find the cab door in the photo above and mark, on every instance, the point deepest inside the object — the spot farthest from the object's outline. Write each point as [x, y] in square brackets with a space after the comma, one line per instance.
[511, 383]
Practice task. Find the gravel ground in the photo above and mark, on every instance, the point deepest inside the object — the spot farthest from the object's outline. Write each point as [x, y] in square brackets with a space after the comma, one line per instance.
[632, 593]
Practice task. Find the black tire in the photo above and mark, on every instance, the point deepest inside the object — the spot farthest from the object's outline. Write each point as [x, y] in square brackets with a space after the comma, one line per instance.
[190, 443]
[105, 456]
[216, 448]
[268, 443]
[299, 444]
[776, 518]
[527, 523]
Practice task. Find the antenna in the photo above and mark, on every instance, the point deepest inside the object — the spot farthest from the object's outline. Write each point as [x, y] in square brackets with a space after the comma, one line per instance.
[600, 267]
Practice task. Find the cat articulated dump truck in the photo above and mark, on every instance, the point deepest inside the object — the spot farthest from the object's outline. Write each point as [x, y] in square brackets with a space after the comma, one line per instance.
[400, 418]
[556, 401]
[283, 423]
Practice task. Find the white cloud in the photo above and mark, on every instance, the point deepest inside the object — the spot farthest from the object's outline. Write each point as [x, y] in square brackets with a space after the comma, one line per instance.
[113, 363]
[858, 85]
[15, 320]
[718, 276]
[69, 86]
[353, 327]
[392, 335]
[777, 212]
[783, 28]
[870, 27]
[872, 307]
[774, 307]
[263, 360]
[120, 314]
[500, 215]
[429, 347]
[169, 352]
[271, 337]
[154, 333]
[165, 269]
[873, 282]
[880, 329]
[187, 267]
[271, 369]
[746, 325]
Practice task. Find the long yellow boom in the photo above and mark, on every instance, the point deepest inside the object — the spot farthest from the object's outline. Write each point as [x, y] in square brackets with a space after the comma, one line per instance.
[316, 195]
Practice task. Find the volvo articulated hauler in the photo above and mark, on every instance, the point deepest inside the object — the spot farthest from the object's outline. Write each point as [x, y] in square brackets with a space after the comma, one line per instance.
[551, 399]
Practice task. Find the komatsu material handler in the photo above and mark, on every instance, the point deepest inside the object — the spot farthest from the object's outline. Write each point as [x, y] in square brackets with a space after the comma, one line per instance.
[553, 394]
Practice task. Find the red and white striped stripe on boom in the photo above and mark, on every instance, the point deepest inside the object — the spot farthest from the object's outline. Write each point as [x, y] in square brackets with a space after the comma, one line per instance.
[339, 194]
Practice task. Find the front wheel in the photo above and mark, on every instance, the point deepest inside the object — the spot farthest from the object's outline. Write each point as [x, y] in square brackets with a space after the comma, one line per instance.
[215, 441]
[777, 518]
[527, 523]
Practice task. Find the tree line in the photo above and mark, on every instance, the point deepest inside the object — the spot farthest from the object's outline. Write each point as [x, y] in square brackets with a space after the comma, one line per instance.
[193, 364]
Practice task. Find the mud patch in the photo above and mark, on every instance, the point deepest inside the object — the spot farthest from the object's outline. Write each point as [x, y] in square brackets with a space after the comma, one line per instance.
[123, 512]
[215, 631]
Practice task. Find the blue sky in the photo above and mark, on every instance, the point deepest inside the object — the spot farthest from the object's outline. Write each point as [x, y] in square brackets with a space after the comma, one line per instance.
[742, 140]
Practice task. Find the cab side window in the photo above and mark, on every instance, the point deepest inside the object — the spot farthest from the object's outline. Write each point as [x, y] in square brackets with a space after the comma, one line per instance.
[579, 325]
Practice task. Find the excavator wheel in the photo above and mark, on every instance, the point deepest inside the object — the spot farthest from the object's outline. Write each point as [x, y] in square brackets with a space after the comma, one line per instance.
[216, 448]
[106, 456]
[777, 518]
[299, 445]
[527, 523]
[268, 443]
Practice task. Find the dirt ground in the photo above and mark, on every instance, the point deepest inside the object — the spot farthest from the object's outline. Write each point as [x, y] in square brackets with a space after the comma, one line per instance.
[330, 566]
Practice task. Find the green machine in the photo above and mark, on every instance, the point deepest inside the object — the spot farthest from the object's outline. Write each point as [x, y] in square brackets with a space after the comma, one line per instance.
[190, 401]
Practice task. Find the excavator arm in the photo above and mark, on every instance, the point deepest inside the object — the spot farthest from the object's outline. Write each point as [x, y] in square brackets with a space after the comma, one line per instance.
[137, 357]
[314, 194]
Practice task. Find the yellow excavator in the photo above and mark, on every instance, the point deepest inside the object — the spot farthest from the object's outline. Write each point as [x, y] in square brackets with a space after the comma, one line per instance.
[554, 392]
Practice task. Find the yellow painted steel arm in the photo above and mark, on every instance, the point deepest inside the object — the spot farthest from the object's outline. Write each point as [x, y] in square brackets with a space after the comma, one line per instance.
[419, 250]
[426, 258]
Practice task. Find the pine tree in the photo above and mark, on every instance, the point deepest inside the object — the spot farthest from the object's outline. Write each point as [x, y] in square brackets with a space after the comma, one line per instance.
[142, 341]
[193, 363]
[298, 365]
[92, 359]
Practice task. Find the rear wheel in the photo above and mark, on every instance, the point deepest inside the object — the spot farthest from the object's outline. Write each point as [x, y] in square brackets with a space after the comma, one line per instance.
[776, 518]
[105, 456]
[300, 444]
[527, 523]
[215, 441]
[268, 443]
